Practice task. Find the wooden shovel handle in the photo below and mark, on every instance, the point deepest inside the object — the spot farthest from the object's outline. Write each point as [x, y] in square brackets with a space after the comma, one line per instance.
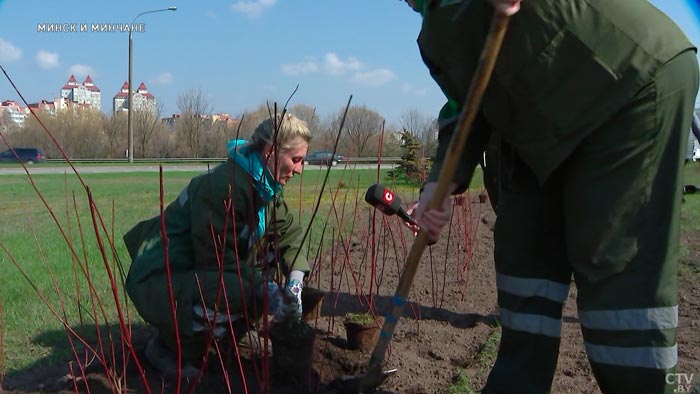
[477, 86]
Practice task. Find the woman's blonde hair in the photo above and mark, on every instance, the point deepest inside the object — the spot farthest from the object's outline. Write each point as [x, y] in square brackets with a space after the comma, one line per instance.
[289, 128]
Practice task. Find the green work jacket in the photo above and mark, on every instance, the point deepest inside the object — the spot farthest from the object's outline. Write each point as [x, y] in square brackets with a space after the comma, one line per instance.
[566, 66]
[216, 214]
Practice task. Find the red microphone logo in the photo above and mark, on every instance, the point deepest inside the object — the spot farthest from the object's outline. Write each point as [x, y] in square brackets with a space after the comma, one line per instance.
[388, 196]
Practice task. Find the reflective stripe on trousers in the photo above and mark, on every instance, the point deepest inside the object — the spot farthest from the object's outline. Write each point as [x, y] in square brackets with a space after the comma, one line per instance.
[641, 319]
[528, 288]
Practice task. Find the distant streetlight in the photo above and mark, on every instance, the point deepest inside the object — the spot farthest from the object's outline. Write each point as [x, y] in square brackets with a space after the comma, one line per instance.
[130, 126]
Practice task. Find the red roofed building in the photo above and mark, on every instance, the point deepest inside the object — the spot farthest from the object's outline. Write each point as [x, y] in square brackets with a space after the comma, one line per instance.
[143, 100]
[86, 93]
[45, 105]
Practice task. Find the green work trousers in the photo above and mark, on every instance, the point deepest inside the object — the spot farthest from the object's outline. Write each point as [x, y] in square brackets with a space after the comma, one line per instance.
[609, 216]
[155, 306]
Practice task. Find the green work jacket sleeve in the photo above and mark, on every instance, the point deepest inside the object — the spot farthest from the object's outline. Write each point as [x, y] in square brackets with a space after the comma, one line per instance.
[286, 237]
[472, 152]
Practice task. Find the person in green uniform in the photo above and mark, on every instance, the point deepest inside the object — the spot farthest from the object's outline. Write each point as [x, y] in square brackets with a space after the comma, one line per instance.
[231, 239]
[447, 119]
[591, 100]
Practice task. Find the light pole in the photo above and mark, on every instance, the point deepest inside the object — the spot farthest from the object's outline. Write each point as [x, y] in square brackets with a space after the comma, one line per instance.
[129, 124]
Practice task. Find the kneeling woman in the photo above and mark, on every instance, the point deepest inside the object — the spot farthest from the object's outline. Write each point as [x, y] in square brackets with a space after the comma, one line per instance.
[230, 239]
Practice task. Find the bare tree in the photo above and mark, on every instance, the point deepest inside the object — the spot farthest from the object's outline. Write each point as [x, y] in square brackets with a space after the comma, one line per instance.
[32, 134]
[86, 139]
[164, 145]
[308, 114]
[116, 133]
[192, 125]
[325, 134]
[362, 128]
[146, 126]
[391, 143]
[430, 139]
[252, 118]
[414, 122]
[78, 131]
[220, 133]
[421, 127]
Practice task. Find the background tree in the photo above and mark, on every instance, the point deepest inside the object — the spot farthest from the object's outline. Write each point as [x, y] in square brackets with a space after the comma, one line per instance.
[115, 134]
[252, 118]
[422, 127]
[164, 144]
[79, 131]
[430, 139]
[414, 121]
[412, 167]
[32, 134]
[192, 126]
[85, 137]
[360, 132]
[195, 132]
[324, 135]
[220, 133]
[308, 114]
[147, 125]
[391, 142]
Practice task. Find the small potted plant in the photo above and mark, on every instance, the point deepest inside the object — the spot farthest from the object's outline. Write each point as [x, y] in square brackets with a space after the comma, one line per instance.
[362, 330]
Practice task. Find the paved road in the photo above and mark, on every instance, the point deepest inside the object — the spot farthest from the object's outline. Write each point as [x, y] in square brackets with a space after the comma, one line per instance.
[43, 169]
[34, 170]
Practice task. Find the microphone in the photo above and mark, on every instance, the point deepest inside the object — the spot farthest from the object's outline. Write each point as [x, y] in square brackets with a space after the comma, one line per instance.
[386, 201]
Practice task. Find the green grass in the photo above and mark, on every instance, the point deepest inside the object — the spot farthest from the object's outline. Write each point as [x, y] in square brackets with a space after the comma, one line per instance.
[463, 384]
[32, 238]
[488, 352]
[484, 360]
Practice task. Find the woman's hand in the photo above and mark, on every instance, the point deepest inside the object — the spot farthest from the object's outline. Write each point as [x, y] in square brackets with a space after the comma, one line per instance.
[506, 7]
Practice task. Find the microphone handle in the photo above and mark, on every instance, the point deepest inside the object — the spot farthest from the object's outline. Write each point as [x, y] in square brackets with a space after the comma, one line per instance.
[406, 217]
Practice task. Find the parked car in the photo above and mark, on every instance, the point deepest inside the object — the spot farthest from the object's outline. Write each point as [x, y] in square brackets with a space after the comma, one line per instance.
[324, 158]
[696, 154]
[26, 155]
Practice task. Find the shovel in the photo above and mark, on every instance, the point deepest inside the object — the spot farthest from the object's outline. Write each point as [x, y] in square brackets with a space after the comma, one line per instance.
[375, 376]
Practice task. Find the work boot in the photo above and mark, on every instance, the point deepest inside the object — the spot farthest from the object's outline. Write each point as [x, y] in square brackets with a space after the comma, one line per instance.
[165, 360]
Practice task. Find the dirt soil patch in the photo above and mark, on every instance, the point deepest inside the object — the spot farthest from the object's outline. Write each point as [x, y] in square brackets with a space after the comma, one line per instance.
[447, 332]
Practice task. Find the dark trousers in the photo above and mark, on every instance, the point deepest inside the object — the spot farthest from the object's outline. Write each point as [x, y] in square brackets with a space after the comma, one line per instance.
[228, 294]
[609, 216]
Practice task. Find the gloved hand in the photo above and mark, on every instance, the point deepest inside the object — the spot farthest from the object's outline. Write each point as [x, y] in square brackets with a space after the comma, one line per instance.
[285, 306]
[293, 293]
